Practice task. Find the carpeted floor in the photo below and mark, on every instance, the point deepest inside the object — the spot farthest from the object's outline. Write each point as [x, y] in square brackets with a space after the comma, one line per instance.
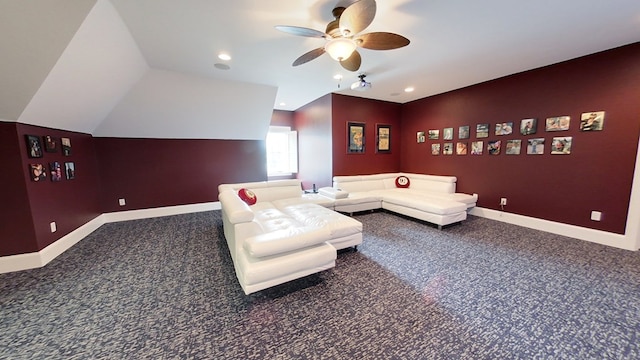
[165, 288]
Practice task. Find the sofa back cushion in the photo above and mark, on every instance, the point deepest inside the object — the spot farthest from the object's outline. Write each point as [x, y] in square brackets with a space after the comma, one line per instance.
[434, 183]
[268, 190]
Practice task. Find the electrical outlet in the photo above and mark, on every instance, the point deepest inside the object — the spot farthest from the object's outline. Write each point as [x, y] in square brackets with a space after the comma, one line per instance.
[53, 226]
[122, 202]
[596, 215]
[503, 201]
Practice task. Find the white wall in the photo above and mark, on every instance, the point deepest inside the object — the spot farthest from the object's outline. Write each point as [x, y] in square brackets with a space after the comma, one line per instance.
[97, 68]
[168, 104]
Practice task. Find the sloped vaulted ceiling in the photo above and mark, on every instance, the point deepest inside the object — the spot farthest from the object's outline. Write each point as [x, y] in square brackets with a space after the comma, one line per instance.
[33, 35]
[93, 78]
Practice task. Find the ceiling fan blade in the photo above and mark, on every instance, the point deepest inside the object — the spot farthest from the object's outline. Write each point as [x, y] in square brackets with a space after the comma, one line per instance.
[381, 41]
[357, 17]
[308, 56]
[300, 31]
[353, 62]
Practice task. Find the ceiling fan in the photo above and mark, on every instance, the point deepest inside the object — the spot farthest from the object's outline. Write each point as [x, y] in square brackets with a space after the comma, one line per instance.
[342, 35]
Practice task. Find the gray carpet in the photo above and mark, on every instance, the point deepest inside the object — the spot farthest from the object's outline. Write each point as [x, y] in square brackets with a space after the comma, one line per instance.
[165, 288]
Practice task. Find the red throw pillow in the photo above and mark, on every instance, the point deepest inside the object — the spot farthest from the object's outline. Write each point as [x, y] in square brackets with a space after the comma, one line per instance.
[247, 196]
[402, 182]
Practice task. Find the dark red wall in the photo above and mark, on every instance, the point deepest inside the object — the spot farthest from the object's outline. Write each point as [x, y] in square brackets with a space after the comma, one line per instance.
[313, 123]
[370, 112]
[598, 173]
[70, 203]
[283, 118]
[151, 173]
[17, 234]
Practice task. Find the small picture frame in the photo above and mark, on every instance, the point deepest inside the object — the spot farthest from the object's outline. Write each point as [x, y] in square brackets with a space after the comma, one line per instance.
[355, 140]
[592, 121]
[420, 137]
[55, 171]
[38, 172]
[463, 132]
[447, 148]
[70, 170]
[34, 146]
[50, 143]
[461, 148]
[505, 128]
[435, 149]
[447, 134]
[477, 147]
[434, 134]
[66, 146]
[513, 147]
[493, 147]
[561, 145]
[528, 126]
[535, 146]
[558, 123]
[383, 141]
[482, 131]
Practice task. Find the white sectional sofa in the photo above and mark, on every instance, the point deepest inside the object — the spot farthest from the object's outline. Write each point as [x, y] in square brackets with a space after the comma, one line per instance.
[430, 198]
[283, 236]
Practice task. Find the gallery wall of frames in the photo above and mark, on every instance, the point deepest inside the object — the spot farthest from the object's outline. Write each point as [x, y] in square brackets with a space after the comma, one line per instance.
[522, 137]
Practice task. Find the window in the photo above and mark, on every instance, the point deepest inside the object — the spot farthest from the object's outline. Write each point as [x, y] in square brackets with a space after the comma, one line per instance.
[282, 151]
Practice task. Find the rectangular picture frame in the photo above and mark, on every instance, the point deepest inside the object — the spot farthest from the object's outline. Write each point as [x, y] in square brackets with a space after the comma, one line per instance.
[355, 137]
[34, 146]
[383, 138]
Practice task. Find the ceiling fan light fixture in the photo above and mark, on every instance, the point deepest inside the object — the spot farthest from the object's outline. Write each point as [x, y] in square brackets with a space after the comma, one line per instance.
[340, 48]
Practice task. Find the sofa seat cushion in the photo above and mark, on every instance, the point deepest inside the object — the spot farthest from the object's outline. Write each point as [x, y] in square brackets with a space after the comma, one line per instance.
[360, 198]
[285, 240]
[317, 216]
[423, 203]
[312, 259]
[459, 197]
[271, 219]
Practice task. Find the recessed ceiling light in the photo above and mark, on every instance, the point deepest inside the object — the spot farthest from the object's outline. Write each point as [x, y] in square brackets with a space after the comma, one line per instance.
[282, 104]
[224, 56]
[409, 89]
[337, 76]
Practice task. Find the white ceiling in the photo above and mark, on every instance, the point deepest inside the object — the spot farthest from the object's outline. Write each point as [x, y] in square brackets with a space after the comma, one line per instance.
[453, 43]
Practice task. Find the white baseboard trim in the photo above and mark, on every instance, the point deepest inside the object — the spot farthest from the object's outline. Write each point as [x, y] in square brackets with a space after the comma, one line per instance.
[577, 232]
[43, 257]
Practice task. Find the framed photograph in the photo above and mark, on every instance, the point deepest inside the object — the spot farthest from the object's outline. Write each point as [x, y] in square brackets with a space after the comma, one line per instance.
[505, 128]
[461, 148]
[447, 148]
[482, 131]
[34, 146]
[561, 145]
[447, 134]
[435, 149]
[528, 126]
[434, 134]
[535, 146]
[493, 147]
[50, 144]
[66, 146]
[477, 147]
[70, 170]
[558, 123]
[383, 143]
[356, 137]
[513, 147]
[420, 137]
[55, 171]
[463, 132]
[37, 172]
[592, 121]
